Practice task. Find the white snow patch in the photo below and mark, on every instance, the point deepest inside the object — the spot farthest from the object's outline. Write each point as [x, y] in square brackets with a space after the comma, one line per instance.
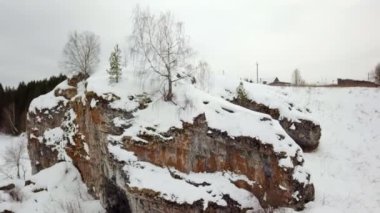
[93, 103]
[48, 100]
[53, 136]
[292, 127]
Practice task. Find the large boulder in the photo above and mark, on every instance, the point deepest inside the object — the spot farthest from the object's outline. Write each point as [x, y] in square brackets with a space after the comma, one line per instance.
[139, 155]
[306, 133]
[296, 121]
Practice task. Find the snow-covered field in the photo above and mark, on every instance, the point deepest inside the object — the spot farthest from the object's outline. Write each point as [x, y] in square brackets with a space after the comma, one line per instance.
[345, 168]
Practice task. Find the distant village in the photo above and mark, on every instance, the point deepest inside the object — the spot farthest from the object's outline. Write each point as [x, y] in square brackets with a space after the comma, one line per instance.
[339, 83]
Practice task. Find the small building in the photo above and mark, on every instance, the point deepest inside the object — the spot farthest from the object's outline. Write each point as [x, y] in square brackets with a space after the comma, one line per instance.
[277, 82]
[355, 83]
[267, 80]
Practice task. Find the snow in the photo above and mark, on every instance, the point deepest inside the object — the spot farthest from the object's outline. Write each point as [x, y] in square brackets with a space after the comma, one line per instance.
[345, 167]
[52, 136]
[186, 188]
[48, 100]
[93, 103]
[292, 127]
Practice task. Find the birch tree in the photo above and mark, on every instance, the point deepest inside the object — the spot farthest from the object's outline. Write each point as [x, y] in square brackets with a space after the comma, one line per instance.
[160, 48]
[296, 78]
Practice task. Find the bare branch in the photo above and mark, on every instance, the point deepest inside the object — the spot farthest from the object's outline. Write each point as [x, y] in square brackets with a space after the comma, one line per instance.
[160, 46]
[81, 53]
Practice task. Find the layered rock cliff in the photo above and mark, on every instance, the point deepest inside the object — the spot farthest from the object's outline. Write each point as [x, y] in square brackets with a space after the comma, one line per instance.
[138, 153]
[295, 120]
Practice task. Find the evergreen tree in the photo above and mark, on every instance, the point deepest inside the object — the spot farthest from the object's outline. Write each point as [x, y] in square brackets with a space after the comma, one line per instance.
[242, 96]
[115, 66]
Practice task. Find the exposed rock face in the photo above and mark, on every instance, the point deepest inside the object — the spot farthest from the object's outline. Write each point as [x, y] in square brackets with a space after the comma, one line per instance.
[304, 132]
[86, 119]
[197, 148]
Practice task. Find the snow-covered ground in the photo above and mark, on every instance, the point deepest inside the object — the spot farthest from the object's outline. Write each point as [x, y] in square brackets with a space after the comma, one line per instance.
[345, 168]
[13, 144]
[58, 189]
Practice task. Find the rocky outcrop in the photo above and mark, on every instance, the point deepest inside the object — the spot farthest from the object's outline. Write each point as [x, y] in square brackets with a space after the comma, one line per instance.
[197, 148]
[80, 127]
[304, 132]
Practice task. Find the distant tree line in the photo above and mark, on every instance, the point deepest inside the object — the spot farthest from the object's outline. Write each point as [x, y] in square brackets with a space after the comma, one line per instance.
[377, 73]
[14, 102]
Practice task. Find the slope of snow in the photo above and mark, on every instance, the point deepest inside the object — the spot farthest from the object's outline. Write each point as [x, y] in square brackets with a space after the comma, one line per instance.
[345, 168]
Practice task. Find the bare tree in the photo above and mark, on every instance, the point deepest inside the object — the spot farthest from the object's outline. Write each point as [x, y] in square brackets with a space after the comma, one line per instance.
[81, 53]
[203, 74]
[9, 114]
[13, 157]
[296, 78]
[377, 73]
[160, 47]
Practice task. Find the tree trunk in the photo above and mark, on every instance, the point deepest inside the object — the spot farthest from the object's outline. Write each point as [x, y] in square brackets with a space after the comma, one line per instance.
[18, 171]
[169, 94]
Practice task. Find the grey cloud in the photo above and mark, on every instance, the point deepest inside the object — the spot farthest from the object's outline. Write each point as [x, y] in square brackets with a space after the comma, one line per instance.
[325, 39]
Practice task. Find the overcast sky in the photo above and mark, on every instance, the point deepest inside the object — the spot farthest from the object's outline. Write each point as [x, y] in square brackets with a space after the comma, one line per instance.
[324, 39]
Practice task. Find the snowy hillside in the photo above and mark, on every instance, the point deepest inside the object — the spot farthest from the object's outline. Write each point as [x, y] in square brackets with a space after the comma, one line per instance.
[345, 167]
